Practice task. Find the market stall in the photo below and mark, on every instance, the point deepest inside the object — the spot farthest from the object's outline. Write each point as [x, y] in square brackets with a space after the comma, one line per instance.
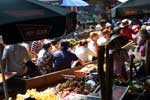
[57, 80]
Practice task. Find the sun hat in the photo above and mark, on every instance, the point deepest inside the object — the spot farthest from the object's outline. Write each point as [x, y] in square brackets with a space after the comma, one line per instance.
[143, 31]
[125, 22]
[122, 39]
[98, 27]
[108, 25]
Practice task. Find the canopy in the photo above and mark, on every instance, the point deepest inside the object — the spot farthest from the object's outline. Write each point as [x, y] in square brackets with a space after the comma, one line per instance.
[131, 8]
[28, 20]
[76, 3]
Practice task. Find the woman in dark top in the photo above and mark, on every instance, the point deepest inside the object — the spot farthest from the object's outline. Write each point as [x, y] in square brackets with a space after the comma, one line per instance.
[63, 58]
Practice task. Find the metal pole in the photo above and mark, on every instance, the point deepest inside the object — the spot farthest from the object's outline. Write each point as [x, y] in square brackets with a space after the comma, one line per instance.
[3, 77]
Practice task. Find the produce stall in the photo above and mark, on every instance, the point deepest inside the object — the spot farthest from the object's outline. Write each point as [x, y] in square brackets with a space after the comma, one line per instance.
[80, 83]
[47, 81]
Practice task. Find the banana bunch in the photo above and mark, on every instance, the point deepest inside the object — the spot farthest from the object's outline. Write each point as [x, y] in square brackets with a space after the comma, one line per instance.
[33, 93]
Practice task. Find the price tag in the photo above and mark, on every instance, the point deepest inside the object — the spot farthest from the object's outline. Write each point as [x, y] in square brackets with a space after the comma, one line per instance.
[1, 39]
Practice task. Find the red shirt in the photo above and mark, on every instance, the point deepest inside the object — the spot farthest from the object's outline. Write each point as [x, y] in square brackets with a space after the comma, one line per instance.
[127, 32]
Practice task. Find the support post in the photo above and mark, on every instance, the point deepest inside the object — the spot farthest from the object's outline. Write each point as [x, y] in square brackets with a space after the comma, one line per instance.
[101, 73]
[147, 62]
[109, 73]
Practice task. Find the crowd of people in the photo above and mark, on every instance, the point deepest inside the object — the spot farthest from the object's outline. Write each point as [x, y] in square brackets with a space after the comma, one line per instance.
[46, 56]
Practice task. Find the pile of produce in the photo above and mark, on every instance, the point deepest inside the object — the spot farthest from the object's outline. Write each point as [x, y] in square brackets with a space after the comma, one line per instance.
[48, 94]
[77, 85]
[84, 85]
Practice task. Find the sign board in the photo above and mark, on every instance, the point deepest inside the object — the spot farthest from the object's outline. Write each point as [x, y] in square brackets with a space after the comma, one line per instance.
[31, 32]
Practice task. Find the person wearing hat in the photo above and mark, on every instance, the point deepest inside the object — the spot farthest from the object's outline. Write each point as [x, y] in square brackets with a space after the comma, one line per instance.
[143, 33]
[125, 30]
[120, 55]
[63, 58]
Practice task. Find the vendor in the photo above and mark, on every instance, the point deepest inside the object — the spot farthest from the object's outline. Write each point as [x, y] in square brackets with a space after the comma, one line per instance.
[125, 29]
[63, 58]
[120, 55]
[45, 59]
[142, 41]
[14, 59]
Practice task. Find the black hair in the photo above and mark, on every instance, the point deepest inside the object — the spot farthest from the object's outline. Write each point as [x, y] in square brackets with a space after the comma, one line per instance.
[46, 46]
[65, 44]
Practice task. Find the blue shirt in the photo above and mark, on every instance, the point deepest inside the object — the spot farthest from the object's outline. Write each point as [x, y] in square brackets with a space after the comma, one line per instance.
[63, 59]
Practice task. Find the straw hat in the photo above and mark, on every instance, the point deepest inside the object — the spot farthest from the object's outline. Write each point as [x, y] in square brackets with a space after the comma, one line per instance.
[143, 31]
[108, 25]
[125, 22]
[122, 39]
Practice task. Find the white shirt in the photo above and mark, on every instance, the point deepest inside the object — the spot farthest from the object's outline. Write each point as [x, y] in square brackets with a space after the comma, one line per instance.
[101, 41]
[84, 53]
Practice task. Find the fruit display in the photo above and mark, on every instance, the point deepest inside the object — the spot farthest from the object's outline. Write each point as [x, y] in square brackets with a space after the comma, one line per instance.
[75, 85]
[47, 94]
[84, 85]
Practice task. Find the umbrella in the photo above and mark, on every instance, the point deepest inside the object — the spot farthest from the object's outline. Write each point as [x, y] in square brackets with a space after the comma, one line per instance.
[131, 8]
[76, 3]
[28, 20]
